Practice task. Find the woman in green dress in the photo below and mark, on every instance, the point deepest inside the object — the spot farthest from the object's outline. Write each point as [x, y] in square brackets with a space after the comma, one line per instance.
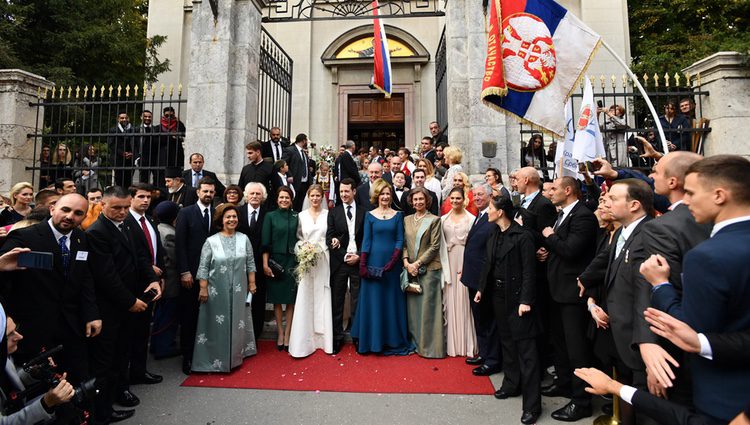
[226, 273]
[278, 240]
[421, 277]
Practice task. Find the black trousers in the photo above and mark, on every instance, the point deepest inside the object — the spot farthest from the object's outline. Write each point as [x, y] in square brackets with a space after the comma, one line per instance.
[189, 306]
[487, 337]
[258, 305]
[572, 349]
[521, 365]
[110, 355]
[300, 192]
[339, 279]
[139, 350]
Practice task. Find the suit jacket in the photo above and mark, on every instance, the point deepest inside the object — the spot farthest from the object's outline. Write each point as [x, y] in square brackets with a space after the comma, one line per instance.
[389, 178]
[715, 299]
[363, 197]
[345, 167]
[540, 213]
[121, 270]
[666, 412]
[730, 348]
[257, 173]
[142, 245]
[184, 197]
[148, 144]
[571, 249]
[337, 228]
[475, 252]
[187, 175]
[266, 149]
[253, 233]
[120, 142]
[519, 252]
[297, 167]
[402, 204]
[47, 302]
[190, 235]
[430, 156]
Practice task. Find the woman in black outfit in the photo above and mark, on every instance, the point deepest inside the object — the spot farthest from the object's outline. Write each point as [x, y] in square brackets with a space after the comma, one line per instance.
[509, 278]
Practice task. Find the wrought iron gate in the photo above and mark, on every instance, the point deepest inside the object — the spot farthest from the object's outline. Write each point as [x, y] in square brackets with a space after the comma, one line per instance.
[274, 88]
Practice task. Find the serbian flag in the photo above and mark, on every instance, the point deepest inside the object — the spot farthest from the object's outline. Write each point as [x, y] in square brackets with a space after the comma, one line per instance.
[381, 77]
[536, 53]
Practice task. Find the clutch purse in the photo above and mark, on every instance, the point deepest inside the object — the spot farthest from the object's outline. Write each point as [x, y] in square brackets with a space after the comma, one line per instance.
[275, 267]
[375, 272]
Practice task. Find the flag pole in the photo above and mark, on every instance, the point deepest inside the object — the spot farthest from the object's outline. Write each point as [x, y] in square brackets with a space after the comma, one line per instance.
[643, 93]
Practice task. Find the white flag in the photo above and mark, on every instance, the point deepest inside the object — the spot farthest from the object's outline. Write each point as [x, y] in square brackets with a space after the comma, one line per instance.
[564, 150]
[588, 143]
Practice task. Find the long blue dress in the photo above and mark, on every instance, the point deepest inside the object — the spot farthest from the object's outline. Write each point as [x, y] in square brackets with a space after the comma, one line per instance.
[380, 321]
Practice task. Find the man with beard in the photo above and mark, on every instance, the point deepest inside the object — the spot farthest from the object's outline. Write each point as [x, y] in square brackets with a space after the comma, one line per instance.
[149, 146]
[120, 144]
[179, 193]
[296, 158]
[273, 148]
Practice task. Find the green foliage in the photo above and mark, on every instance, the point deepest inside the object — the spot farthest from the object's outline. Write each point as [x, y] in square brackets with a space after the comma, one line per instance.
[80, 41]
[669, 35]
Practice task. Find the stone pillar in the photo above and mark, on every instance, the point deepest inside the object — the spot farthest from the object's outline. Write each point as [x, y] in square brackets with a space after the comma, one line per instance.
[17, 120]
[726, 77]
[223, 86]
[470, 122]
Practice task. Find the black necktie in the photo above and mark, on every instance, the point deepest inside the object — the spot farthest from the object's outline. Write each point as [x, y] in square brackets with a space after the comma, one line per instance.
[278, 152]
[560, 216]
[206, 221]
[65, 253]
[304, 163]
[349, 212]
[123, 230]
[479, 217]
[253, 218]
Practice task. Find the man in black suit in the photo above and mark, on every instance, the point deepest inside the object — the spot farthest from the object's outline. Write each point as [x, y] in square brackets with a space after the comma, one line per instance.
[122, 275]
[419, 177]
[274, 148]
[192, 229]
[251, 217]
[345, 167]
[571, 244]
[396, 165]
[489, 360]
[428, 149]
[122, 150]
[148, 145]
[344, 237]
[399, 200]
[439, 138]
[258, 169]
[374, 172]
[56, 306]
[196, 173]
[148, 241]
[300, 173]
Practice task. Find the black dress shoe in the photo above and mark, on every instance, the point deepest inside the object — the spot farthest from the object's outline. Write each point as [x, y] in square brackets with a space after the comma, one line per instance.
[485, 370]
[127, 399]
[501, 394]
[148, 378]
[120, 415]
[476, 361]
[336, 347]
[571, 412]
[529, 417]
[187, 366]
[555, 391]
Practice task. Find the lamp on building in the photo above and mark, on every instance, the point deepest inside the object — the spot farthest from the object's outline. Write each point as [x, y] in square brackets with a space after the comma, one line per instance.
[489, 148]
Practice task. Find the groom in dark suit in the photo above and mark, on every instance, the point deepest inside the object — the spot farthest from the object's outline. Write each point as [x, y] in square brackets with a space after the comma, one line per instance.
[344, 238]
[251, 217]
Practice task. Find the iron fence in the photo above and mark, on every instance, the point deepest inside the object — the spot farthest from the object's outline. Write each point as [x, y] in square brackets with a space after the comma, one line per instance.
[441, 83]
[98, 136]
[625, 119]
[275, 88]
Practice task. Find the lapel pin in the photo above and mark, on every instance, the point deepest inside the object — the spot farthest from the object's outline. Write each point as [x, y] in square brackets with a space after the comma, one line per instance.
[627, 254]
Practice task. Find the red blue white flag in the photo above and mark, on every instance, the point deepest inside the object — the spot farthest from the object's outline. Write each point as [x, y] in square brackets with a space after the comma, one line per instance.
[381, 77]
[537, 53]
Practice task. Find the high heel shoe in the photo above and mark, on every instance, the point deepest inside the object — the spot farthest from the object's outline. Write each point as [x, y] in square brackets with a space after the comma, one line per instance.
[286, 348]
[280, 347]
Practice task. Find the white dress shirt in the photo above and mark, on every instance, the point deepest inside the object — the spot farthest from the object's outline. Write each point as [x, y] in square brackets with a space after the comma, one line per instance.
[137, 216]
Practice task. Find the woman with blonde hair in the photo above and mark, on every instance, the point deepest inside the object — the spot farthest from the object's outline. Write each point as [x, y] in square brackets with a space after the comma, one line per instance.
[62, 161]
[431, 183]
[21, 197]
[453, 157]
[461, 180]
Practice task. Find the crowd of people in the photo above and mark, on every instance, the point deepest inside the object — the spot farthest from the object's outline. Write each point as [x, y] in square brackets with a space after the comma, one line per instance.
[620, 272]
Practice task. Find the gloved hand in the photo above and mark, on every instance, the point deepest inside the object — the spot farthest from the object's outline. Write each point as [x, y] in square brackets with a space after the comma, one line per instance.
[363, 265]
[392, 262]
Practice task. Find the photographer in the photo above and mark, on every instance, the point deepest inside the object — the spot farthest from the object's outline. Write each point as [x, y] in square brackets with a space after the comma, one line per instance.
[38, 410]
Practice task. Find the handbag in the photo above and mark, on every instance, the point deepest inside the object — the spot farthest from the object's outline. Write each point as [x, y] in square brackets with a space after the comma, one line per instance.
[275, 267]
[375, 272]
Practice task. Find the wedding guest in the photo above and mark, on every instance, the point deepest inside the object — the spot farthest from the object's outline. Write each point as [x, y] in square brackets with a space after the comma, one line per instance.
[400, 193]
[45, 161]
[166, 320]
[278, 241]
[252, 214]
[324, 178]
[453, 157]
[440, 164]
[461, 337]
[460, 180]
[62, 163]
[21, 196]
[86, 178]
[419, 178]
[279, 178]
[233, 195]
[312, 327]
[494, 178]
[430, 182]
[422, 280]
[380, 323]
[509, 278]
[224, 335]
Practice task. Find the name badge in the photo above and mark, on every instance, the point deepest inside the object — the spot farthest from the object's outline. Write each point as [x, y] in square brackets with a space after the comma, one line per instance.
[82, 256]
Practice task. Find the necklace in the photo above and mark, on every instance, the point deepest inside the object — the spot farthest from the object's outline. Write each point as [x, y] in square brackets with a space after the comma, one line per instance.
[419, 218]
[383, 212]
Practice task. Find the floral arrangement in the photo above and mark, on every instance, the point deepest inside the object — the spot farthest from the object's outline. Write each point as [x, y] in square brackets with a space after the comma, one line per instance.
[307, 257]
[326, 153]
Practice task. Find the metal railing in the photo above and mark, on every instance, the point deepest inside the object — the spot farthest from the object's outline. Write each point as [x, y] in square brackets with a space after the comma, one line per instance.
[274, 88]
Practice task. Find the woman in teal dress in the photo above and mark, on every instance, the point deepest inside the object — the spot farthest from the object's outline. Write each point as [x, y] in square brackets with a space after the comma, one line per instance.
[226, 273]
[380, 322]
[278, 240]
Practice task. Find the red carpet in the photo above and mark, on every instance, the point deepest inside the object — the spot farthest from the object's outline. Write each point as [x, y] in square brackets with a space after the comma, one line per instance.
[348, 372]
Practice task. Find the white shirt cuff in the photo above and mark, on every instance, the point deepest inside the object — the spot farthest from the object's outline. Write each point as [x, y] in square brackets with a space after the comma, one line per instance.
[627, 393]
[706, 351]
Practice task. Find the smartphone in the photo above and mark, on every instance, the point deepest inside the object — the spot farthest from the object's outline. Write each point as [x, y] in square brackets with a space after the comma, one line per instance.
[148, 296]
[35, 260]
[599, 103]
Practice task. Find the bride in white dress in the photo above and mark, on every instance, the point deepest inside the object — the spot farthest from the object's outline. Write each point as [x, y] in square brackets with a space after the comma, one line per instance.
[312, 327]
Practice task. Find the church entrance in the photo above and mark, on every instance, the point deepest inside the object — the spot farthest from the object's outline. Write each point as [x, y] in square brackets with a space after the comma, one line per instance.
[376, 121]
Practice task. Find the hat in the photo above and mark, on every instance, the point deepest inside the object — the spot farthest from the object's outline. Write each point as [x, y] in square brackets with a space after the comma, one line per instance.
[166, 212]
[173, 172]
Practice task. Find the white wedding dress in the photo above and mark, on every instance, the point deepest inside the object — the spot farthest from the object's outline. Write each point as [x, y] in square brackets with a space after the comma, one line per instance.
[312, 325]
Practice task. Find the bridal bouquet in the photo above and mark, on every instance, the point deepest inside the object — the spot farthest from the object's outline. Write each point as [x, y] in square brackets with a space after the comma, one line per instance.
[307, 257]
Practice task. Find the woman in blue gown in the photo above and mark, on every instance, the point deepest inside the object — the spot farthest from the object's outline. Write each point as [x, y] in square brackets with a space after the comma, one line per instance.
[380, 322]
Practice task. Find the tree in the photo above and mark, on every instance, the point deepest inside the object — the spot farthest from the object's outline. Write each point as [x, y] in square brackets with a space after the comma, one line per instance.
[80, 42]
[669, 35]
